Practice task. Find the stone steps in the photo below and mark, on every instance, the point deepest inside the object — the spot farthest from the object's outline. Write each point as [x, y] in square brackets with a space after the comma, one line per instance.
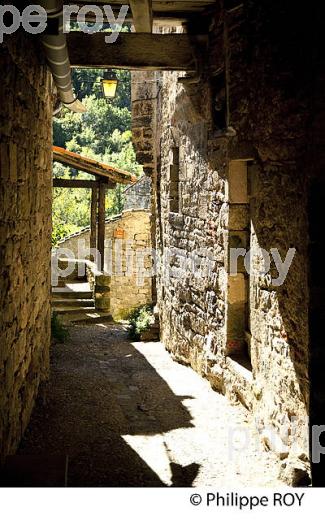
[85, 317]
[67, 294]
[72, 309]
[75, 304]
[72, 302]
[90, 318]
[74, 296]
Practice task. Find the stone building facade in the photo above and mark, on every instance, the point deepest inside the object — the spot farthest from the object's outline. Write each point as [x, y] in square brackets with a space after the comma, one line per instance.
[231, 157]
[128, 253]
[25, 233]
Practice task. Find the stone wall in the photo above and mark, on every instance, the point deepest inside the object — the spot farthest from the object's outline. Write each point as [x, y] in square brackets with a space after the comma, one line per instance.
[128, 253]
[243, 126]
[145, 94]
[25, 233]
[138, 196]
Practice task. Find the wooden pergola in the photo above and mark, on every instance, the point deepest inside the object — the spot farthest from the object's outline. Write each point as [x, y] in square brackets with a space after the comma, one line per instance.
[106, 177]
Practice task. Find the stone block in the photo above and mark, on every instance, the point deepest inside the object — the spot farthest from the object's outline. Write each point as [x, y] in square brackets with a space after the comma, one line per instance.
[238, 217]
[237, 179]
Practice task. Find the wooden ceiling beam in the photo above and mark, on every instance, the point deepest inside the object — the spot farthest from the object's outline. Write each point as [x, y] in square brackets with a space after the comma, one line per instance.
[162, 13]
[135, 51]
[142, 15]
[168, 18]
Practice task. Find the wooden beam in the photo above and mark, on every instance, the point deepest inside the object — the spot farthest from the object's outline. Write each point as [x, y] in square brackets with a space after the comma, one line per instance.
[79, 183]
[169, 18]
[135, 51]
[85, 164]
[177, 9]
[93, 220]
[101, 224]
[142, 15]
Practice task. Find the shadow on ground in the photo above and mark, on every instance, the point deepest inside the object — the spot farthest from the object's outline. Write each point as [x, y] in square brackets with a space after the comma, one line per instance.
[101, 388]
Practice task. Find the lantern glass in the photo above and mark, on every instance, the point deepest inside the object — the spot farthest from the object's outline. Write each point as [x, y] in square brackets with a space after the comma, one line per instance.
[109, 85]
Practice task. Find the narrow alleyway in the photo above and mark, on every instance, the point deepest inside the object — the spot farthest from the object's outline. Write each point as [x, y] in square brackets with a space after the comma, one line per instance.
[127, 415]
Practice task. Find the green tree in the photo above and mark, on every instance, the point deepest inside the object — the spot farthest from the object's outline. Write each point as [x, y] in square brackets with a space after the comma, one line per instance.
[102, 133]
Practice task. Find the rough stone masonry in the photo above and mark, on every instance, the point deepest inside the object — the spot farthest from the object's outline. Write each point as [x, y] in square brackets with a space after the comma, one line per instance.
[230, 163]
[25, 233]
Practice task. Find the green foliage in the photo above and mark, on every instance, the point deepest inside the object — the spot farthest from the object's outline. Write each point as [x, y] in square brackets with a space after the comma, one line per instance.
[87, 82]
[95, 127]
[71, 207]
[102, 133]
[140, 320]
[59, 332]
[61, 230]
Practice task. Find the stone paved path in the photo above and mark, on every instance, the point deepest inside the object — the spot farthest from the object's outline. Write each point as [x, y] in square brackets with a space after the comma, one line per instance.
[127, 415]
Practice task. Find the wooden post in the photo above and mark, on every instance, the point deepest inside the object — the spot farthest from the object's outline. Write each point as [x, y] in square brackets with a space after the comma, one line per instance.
[93, 221]
[142, 15]
[101, 224]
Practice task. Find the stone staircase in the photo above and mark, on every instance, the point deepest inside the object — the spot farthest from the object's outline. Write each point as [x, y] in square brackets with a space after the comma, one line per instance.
[73, 297]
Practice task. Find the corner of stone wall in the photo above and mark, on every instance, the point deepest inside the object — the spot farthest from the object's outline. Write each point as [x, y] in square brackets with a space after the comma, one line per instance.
[145, 87]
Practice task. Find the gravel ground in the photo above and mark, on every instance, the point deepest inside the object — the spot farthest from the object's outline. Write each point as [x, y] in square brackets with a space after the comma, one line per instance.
[126, 414]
